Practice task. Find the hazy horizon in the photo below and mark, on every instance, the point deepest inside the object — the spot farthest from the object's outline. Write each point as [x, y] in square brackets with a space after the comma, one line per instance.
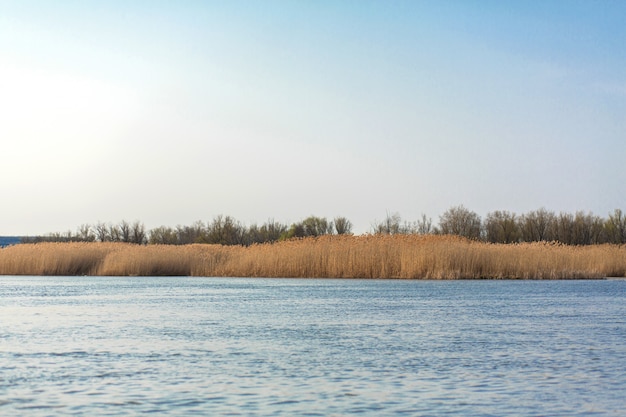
[173, 112]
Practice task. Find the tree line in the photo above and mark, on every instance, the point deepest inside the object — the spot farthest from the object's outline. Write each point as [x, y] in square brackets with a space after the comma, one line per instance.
[498, 226]
[222, 230]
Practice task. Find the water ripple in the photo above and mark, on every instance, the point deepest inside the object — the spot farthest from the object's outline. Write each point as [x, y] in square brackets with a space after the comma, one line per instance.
[179, 346]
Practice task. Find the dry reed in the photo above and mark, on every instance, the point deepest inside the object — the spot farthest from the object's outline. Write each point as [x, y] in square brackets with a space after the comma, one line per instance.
[367, 256]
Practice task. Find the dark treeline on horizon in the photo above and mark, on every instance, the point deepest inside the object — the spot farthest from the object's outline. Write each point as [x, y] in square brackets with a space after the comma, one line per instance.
[579, 228]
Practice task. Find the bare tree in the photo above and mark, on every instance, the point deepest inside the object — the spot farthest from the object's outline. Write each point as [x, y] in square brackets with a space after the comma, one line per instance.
[564, 228]
[311, 226]
[460, 221]
[85, 233]
[196, 233]
[317, 226]
[424, 225]
[587, 229]
[163, 235]
[295, 230]
[343, 226]
[391, 225]
[225, 230]
[138, 233]
[102, 232]
[272, 230]
[598, 233]
[125, 230]
[537, 225]
[115, 234]
[615, 227]
[501, 227]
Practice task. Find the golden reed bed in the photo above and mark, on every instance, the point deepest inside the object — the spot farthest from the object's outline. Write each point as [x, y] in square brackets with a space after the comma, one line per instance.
[368, 256]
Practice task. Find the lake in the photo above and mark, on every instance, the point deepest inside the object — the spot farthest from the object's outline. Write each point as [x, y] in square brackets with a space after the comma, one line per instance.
[297, 347]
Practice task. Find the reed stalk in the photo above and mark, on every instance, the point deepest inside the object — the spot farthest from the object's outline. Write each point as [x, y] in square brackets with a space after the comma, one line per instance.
[365, 256]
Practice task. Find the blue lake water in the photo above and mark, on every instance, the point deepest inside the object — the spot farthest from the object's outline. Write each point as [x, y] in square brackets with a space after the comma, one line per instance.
[281, 347]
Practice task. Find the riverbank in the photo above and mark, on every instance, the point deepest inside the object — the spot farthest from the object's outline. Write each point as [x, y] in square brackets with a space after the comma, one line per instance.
[366, 256]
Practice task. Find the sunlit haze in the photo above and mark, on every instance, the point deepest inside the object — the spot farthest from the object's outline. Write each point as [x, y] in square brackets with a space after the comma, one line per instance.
[173, 112]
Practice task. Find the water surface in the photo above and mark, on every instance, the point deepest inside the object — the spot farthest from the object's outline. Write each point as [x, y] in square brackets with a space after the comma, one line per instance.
[220, 346]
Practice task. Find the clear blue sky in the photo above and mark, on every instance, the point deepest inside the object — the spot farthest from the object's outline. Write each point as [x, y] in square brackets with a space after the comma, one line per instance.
[170, 112]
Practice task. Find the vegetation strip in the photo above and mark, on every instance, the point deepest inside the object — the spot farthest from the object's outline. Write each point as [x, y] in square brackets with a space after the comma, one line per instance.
[497, 227]
[329, 256]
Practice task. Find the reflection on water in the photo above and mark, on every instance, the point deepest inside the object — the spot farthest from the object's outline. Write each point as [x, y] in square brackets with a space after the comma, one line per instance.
[197, 346]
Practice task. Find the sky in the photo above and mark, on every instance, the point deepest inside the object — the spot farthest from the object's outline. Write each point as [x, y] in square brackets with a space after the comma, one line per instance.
[170, 112]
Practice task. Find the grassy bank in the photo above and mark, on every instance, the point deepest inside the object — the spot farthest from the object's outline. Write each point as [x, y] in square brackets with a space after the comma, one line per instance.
[369, 256]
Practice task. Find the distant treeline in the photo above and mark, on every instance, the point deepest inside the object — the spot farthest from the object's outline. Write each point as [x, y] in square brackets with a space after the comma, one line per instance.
[222, 230]
[539, 225]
